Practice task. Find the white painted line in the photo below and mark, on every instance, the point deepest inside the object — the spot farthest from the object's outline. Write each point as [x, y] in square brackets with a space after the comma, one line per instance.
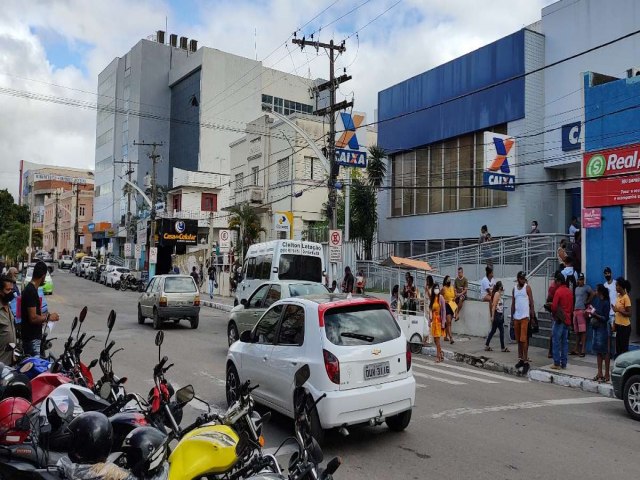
[477, 371]
[520, 406]
[437, 379]
[420, 385]
[455, 374]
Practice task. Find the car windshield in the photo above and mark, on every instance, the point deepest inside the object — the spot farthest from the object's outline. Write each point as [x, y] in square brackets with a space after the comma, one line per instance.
[300, 267]
[301, 289]
[179, 285]
[122, 270]
[360, 325]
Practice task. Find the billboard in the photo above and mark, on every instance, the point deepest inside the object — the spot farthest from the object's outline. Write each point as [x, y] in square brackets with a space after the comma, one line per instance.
[611, 177]
[174, 231]
[350, 152]
[499, 162]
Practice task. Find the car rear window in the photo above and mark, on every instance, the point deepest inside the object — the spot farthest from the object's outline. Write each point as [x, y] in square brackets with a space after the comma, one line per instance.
[300, 289]
[300, 267]
[360, 325]
[179, 285]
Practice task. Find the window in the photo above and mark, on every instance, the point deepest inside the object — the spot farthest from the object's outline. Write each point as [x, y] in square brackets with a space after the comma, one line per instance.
[105, 138]
[255, 173]
[273, 296]
[179, 285]
[238, 182]
[311, 169]
[255, 301]
[105, 164]
[283, 170]
[360, 325]
[266, 267]
[177, 202]
[81, 210]
[103, 189]
[251, 268]
[300, 289]
[209, 202]
[258, 268]
[300, 267]
[292, 326]
[265, 330]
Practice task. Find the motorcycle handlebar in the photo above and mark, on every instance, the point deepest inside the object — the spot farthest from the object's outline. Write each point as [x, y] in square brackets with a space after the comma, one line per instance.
[110, 346]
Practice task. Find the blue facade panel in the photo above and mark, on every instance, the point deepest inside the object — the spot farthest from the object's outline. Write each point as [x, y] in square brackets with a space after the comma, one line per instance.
[432, 95]
[184, 147]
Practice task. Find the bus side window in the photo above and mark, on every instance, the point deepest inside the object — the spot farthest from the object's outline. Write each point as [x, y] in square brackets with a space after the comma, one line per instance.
[259, 274]
[266, 267]
[251, 268]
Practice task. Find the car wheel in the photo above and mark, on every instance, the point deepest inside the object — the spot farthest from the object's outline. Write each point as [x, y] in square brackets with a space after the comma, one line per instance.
[317, 431]
[631, 396]
[399, 422]
[194, 321]
[415, 344]
[140, 316]
[157, 321]
[232, 333]
[232, 384]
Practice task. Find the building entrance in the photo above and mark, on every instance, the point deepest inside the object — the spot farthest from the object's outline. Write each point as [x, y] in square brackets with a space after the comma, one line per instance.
[632, 269]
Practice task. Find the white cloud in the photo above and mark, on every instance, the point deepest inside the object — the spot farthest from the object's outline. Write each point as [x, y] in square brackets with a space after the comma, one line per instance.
[412, 37]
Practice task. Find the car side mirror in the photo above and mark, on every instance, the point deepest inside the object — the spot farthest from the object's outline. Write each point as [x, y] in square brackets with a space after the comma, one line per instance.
[245, 337]
[244, 302]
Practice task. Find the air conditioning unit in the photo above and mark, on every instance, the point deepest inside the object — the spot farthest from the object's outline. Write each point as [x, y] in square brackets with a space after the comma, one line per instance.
[256, 195]
[633, 72]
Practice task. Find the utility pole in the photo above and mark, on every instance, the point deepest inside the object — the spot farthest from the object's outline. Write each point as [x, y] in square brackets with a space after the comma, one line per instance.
[76, 235]
[152, 233]
[55, 227]
[333, 107]
[129, 172]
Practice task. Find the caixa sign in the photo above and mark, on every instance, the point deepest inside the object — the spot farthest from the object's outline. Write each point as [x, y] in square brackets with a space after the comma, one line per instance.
[571, 136]
[351, 158]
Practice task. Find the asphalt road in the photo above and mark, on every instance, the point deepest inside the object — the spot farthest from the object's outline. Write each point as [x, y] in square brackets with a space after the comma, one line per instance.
[468, 423]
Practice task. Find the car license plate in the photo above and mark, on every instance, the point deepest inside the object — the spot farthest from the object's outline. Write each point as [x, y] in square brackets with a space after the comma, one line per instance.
[375, 370]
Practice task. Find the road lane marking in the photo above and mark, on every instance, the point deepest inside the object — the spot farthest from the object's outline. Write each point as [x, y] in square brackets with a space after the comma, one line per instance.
[477, 371]
[437, 379]
[420, 385]
[457, 412]
[454, 374]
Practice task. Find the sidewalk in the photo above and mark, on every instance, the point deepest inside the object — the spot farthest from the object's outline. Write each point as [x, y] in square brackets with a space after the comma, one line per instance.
[218, 302]
[578, 374]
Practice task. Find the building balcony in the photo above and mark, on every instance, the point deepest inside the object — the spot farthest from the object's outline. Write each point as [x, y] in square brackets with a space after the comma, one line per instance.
[219, 218]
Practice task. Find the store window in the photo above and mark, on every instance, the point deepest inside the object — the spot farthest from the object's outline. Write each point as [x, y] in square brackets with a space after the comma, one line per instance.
[209, 202]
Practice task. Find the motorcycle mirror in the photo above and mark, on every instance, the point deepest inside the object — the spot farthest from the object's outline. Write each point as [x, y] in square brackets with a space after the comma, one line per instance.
[159, 338]
[74, 325]
[315, 452]
[302, 375]
[105, 390]
[83, 314]
[93, 363]
[111, 320]
[185, 394]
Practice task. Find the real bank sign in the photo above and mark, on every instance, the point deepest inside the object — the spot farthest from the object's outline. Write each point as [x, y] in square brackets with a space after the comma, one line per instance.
[499, 162]
[612, 177]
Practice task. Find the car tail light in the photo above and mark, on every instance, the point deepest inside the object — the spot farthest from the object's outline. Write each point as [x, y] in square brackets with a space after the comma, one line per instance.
[332, 366]
[163, 301]
[196, 301]
[408, 356]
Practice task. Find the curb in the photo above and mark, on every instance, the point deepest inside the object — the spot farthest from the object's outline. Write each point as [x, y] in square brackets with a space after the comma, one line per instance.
[217, 306]
[536, 375]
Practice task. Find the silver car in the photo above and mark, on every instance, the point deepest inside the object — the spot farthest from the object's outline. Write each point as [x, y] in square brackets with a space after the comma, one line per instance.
[246, 315]
[170, 297]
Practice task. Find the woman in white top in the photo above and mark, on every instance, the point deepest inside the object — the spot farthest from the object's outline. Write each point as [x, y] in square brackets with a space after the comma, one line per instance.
[497, 316]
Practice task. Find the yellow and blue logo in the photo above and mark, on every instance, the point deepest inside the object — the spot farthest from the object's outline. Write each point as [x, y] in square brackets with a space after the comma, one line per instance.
[351, 124]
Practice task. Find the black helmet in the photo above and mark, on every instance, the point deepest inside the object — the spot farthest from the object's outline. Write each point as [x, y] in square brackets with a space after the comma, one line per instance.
[145, 450]
[91, 438]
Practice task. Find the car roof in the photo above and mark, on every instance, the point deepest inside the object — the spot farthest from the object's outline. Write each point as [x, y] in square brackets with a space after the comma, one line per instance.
[172, 275]
[332, 300]
[289, 282]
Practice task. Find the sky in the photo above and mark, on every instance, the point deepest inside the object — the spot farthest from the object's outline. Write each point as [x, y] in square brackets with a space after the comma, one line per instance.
[53, 50]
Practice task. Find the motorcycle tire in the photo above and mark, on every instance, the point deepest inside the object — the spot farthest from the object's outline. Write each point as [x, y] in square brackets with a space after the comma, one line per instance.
[123, 286]
[116, 285]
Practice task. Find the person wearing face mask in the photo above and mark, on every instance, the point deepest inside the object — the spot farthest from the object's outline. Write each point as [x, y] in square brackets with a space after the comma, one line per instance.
[610, 284]
[7, 321]
[438, 320]
[534, 227]
[497, 308]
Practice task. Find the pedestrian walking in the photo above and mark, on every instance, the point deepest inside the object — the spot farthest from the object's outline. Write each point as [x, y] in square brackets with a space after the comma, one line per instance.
[522, 309]
[599, 319]
[438, 320]
[553, 286]
[361, 282]
[486, 288]
[348, 281]
[449, 294]
[622, 310]
[561, 308]
[497, 323]
[534, 227]
[195, 276]
[8, 337]
[610, 284]
[393, 301]
[213, 281]
[583, 296]
[461, 285]
[31, 314]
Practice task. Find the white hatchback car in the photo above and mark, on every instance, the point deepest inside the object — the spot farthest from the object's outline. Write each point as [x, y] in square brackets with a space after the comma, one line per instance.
[114, 275]
[357, 354]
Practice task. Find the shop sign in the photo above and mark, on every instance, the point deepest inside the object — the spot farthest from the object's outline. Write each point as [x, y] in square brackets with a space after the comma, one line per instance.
[294, 247]
[612, 177]
[283, 222]
[184, 232]
[349, 151]
[351, 158]
[571, 136]
[499, 162]
[591, 217]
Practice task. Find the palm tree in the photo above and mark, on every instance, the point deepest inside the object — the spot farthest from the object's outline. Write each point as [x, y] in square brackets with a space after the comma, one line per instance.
[245, 219]
[376, 166]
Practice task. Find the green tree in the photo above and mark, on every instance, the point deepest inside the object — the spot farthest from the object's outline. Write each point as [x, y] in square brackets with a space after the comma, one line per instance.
[245, 219]
[14, 240]
[376, 166]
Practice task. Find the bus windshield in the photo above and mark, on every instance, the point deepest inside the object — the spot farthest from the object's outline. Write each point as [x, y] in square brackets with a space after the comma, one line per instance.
[300, 267]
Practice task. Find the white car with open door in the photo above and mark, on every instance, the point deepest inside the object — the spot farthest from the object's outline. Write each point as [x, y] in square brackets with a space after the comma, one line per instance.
[355, 349]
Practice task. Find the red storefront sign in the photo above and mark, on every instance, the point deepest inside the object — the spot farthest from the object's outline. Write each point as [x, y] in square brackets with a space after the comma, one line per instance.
[612, 177]
[591, 217]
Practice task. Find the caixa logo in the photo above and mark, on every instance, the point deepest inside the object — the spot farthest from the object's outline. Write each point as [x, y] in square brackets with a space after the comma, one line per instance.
[180, 226]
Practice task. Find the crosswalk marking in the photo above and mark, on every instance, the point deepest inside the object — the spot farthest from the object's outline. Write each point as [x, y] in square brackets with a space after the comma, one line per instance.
[454, 374]
[477, 371]
[437, 379]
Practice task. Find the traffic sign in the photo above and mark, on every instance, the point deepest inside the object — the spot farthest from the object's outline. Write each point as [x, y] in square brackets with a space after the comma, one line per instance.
[127, 250]
[138, 251]
[110, 247]
[335, 246]
[153, 255]
[225, 239]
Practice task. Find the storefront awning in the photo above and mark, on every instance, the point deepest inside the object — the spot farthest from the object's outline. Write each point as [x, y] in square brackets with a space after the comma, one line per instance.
[407, 263]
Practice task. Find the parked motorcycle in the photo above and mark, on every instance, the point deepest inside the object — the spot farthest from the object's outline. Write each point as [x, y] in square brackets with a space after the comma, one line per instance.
[109, 386]
[128, 281]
